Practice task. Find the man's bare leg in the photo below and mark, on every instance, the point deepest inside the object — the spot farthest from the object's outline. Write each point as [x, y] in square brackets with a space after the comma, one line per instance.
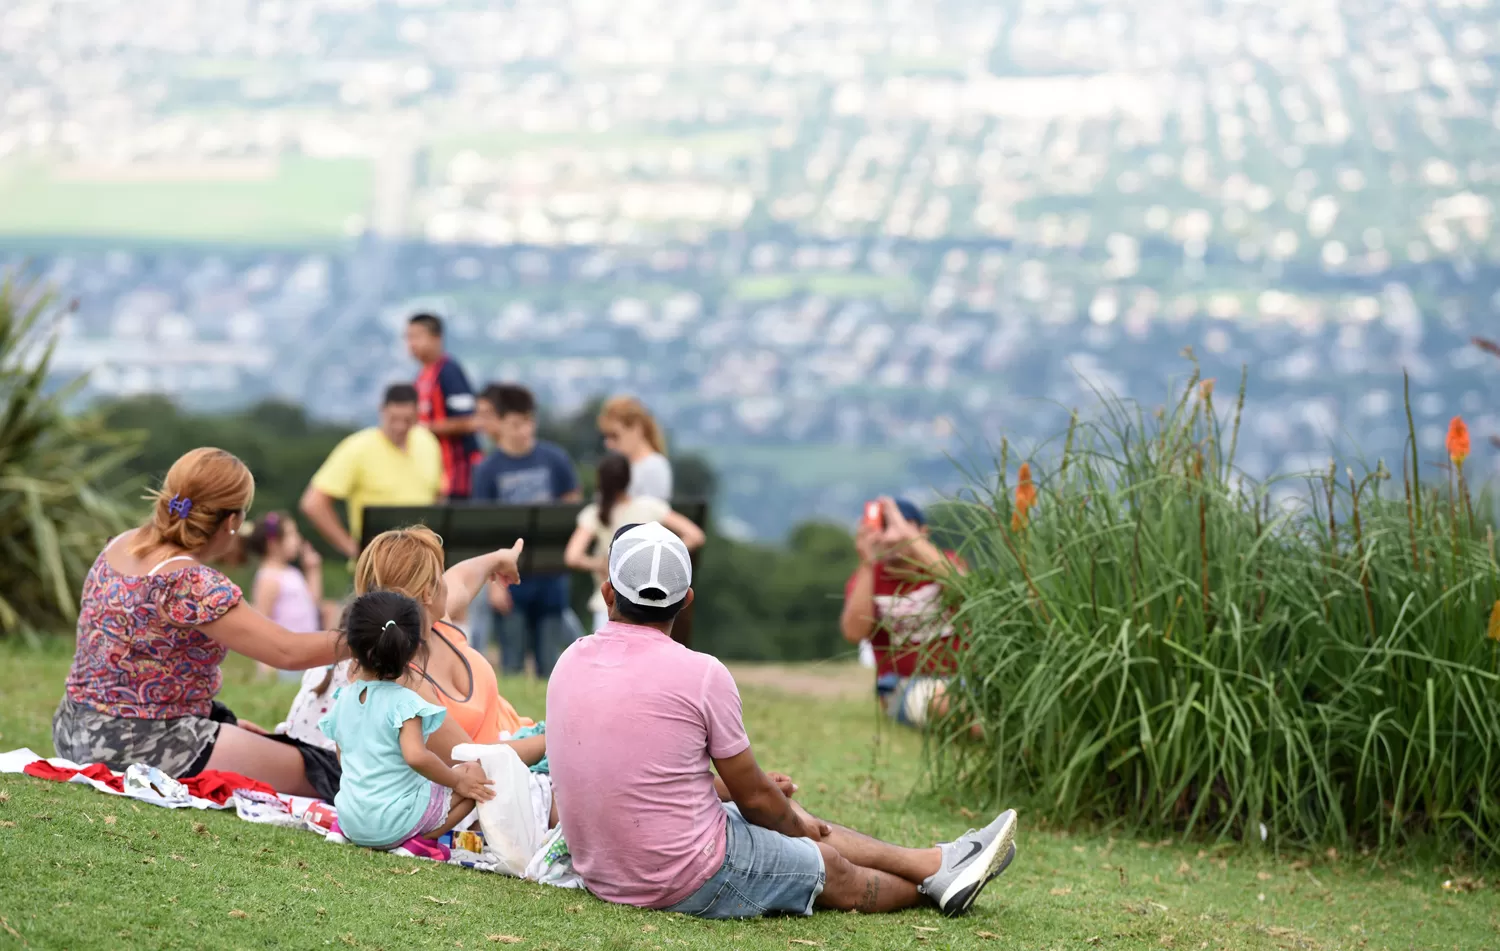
[888, 877]
[939, 708]
[848, 887]
[914, 866]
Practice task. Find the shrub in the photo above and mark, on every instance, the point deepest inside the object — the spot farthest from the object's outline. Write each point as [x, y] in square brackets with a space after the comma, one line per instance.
[1163, 641]
[53, 514]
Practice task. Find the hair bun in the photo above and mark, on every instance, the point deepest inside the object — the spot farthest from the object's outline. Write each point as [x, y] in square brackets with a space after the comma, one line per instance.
[202, 489]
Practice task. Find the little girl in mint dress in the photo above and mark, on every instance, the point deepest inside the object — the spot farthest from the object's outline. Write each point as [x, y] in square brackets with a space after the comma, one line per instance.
[394, 788]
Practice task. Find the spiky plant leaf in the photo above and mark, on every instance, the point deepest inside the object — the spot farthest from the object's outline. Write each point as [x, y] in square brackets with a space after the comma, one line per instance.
[61, 490]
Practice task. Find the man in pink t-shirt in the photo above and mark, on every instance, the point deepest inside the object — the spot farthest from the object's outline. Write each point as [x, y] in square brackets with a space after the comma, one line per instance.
[637, 725]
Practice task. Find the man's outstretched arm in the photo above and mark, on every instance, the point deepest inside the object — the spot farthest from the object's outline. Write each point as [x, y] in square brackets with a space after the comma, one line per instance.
[761, 800]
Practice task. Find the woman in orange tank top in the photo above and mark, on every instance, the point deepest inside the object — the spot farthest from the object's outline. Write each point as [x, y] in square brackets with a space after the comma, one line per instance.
[482, 712]
[453, 674]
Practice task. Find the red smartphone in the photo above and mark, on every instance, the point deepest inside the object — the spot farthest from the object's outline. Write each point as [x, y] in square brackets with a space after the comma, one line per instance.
[875, 515]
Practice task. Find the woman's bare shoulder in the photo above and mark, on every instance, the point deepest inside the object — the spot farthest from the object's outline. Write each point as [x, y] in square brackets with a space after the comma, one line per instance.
[116, 552]
[461, 646]
[423, 687]
[440, 663]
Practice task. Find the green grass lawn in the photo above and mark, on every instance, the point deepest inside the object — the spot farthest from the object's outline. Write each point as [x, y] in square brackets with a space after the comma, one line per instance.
[305, 201]
[83, 870]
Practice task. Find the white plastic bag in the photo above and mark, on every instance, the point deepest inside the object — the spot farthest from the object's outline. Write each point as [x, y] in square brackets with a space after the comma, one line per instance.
[148, 782]
[509, 827]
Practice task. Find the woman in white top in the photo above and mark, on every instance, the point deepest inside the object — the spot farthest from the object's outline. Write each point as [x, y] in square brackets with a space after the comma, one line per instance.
[616, 507]
[630, 429]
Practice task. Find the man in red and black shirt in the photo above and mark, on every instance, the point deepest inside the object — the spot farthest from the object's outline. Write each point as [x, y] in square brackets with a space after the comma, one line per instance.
[445, 404]
[894, 600]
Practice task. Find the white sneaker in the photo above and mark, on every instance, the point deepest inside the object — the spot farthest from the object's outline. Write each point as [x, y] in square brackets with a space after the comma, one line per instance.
[971, 862]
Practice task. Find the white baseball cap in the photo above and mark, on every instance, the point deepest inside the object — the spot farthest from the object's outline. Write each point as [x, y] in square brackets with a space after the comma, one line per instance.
[649, 566]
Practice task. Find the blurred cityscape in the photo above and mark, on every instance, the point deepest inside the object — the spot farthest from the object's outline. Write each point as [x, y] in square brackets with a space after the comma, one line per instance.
[831, 244]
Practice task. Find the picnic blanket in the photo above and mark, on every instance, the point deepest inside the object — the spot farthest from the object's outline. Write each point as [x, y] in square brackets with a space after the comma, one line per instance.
[546, 859]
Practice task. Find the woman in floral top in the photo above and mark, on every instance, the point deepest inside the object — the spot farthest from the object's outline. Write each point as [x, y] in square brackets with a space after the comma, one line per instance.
[154, 625]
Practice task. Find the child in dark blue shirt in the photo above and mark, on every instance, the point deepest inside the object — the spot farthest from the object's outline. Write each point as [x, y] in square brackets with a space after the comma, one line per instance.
[524, 470]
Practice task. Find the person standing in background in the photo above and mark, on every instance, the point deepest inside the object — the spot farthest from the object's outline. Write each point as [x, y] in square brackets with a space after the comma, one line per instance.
[524, 470]
[613, 508]
[394, 463]
[445, 403]
[630, 429]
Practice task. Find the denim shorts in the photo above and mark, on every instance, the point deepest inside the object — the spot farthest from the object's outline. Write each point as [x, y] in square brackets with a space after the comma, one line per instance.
[764, 873]
[907, 700]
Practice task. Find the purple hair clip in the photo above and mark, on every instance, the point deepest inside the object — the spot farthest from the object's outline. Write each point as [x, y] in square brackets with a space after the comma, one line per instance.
[270, 522]
[180, 506]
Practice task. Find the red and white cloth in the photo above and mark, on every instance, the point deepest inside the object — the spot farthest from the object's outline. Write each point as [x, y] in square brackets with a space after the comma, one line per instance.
[210, 789]
[214, 787]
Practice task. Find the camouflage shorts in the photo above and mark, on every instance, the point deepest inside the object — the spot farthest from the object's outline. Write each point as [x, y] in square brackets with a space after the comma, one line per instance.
[177, 747]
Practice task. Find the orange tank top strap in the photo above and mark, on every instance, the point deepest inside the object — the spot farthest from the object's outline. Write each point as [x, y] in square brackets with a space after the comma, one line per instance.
[499, 715]
[484, 714]
[447, 629]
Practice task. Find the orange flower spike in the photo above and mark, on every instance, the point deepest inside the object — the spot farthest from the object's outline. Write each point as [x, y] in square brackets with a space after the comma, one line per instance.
[1025, 498]
[1025, 488]
[1206, 389]
[1493, 633]
[1458, 441]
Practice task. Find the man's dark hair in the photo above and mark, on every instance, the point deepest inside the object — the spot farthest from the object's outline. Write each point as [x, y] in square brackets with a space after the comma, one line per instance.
[431, 323]
[643, 614]
[399, 394]
[509, 398]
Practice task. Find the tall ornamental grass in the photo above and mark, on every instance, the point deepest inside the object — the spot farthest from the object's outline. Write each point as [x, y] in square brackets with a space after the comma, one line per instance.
[1158, 640]
[60, 493]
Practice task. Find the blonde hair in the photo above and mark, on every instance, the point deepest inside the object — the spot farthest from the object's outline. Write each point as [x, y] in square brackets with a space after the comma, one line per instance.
[629, 411]
[408, 560]
[201, 490]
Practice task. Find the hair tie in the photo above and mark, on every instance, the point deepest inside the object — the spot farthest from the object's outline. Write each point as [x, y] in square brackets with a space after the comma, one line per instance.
[389, 624]
[180, 506]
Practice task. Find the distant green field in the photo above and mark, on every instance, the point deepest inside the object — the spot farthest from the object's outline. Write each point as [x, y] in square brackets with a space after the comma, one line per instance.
[305, 200]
